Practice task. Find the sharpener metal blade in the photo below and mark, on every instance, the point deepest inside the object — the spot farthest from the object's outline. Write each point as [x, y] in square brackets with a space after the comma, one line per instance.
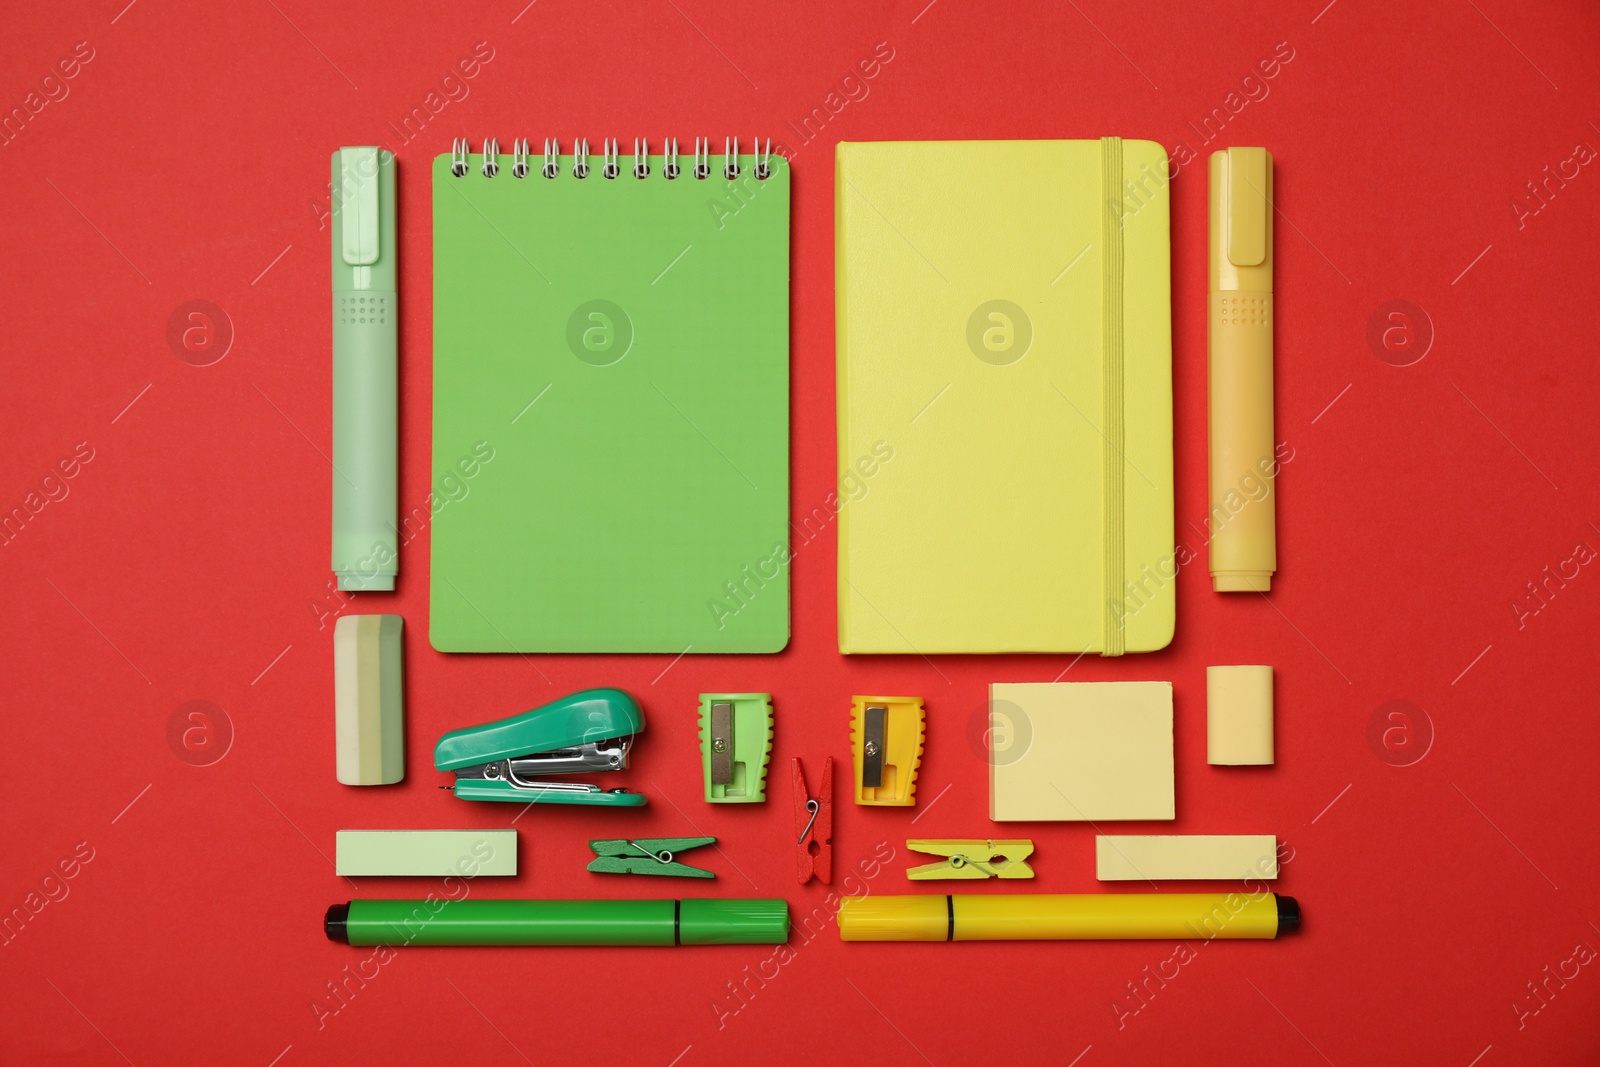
[872, 756]
[722, 743]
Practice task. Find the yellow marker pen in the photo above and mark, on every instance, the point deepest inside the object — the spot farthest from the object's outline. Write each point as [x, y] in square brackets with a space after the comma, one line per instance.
[1244, 467]
[1067, 917]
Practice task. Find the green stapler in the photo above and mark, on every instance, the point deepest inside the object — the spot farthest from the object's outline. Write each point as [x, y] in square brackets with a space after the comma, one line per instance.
[585, 732]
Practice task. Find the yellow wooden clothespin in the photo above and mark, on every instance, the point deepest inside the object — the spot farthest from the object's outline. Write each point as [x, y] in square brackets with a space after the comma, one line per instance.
[972, 859]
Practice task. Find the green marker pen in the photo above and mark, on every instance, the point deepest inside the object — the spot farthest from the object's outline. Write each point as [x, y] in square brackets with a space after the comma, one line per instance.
[558, 922]
[365, 313]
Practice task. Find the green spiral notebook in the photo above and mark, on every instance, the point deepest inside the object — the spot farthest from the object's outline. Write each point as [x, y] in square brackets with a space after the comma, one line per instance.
[610, 403]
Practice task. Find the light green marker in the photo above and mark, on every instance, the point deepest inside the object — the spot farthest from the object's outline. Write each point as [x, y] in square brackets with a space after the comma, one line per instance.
[365, 313]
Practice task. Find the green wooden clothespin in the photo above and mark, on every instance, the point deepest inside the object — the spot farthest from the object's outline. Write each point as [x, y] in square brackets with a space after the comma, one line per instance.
[647, 855]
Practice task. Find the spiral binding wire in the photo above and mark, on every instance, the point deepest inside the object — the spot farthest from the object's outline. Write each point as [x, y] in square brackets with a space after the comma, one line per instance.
[610, 158]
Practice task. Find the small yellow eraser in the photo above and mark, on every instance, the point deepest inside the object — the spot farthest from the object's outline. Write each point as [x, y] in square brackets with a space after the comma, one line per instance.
[369, 703]
[1138, 857]
[1239, 715]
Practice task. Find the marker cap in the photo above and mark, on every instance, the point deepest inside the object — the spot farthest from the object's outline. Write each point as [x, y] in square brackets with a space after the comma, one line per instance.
[1241, 220]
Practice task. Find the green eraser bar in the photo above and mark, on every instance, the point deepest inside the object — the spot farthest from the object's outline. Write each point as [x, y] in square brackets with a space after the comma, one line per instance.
[426, 853]
[369, 704]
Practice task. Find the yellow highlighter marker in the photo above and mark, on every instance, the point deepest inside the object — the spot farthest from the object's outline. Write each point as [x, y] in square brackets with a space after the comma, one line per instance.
[1244, 466]
[1067, 917]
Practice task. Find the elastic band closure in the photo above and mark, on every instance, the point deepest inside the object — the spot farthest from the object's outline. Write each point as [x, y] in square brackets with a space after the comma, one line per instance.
[1111, 360]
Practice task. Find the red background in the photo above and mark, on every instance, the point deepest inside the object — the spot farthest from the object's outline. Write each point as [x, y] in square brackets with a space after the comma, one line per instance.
[189, 161]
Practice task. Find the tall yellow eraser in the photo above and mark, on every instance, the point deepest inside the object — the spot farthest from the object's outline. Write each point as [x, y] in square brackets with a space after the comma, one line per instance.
[369, 705]
[1239, 715]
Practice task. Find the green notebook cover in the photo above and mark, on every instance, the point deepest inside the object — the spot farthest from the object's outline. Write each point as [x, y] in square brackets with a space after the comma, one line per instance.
[610, 409]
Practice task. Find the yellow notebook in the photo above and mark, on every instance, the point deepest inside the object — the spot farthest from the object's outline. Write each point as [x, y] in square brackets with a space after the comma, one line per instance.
[1005, 397]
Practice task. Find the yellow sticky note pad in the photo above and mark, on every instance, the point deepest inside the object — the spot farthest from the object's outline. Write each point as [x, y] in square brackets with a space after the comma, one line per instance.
[1080, 751]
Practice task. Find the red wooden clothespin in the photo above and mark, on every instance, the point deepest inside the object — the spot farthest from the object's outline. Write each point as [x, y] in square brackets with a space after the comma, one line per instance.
[813, 825]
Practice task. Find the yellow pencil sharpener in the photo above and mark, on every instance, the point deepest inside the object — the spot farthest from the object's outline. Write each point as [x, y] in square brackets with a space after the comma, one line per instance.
[886, 737]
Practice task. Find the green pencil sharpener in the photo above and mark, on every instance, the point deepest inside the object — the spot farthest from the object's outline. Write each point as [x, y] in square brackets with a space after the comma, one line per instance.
[735, 746]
